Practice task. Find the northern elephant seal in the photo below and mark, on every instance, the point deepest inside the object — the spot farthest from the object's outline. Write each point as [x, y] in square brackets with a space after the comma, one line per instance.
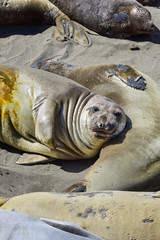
[111, 18]
[54, 116]
[15, 226]
[132, 159]
[109, 215]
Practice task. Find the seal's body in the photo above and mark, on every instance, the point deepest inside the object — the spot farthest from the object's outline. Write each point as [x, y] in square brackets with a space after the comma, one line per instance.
[54, 116]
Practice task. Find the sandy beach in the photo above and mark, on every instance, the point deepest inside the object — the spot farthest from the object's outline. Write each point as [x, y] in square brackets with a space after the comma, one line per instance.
[25, 45]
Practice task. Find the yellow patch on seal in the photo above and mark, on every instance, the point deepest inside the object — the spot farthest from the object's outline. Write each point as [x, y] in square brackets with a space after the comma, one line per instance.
[8, 77]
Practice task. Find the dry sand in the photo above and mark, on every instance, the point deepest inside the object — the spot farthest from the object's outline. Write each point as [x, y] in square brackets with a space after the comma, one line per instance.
[24, 45]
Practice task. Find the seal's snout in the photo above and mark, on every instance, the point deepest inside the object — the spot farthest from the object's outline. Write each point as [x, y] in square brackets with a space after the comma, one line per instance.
[141, 20]
[105, 124]
[102, 121]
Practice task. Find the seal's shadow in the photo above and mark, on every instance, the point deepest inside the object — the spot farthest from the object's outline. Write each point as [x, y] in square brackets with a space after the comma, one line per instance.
[153, 37]
[156, 4]
[9, 30]
[75, 166]
[81, 165]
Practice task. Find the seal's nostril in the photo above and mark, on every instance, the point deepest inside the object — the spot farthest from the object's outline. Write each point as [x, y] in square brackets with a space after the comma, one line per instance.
[101, 125]
[110, 126]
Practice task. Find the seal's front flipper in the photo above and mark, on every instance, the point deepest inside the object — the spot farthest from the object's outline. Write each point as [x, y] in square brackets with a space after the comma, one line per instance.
[28, 159]
[58, 67]
[77, 187]
[127, 75]
[67, 30]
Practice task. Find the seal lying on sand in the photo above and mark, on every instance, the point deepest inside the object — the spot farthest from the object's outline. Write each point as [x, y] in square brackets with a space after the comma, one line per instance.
[131, 159]
[109, 215]
[54, 116]
[15, 226]
[111, 18]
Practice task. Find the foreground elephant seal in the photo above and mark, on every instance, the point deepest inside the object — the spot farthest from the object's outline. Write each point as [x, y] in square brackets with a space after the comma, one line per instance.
[111, 18]
[132, 159]
[15, 226]
[54, 116]
[109, 215]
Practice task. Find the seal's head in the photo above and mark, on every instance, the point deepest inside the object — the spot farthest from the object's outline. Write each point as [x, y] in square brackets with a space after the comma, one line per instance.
[127, 21]
[105, 119]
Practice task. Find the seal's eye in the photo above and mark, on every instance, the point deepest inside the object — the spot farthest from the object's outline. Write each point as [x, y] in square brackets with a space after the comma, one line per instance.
[94, 109]
[118, 114]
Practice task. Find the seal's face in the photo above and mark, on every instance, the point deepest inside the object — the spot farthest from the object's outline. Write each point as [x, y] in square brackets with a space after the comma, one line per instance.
[127, 21]
[105, 119]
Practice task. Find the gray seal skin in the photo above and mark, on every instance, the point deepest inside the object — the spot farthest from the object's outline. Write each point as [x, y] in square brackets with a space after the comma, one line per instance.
[131, 160]
[54, 116]
[42, 12]
[15, 226]
[111, 18]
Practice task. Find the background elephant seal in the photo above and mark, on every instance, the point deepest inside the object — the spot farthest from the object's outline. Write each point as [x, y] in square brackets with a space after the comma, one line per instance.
[54, 116]
[42, 12]
[130, 161]
[111, 18]
[109, 215]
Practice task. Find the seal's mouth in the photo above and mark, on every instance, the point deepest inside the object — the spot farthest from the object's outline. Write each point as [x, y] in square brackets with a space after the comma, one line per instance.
[103, 134]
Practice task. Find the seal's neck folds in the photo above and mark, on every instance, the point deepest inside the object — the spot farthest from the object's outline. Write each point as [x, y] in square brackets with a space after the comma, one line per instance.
[81, 139]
